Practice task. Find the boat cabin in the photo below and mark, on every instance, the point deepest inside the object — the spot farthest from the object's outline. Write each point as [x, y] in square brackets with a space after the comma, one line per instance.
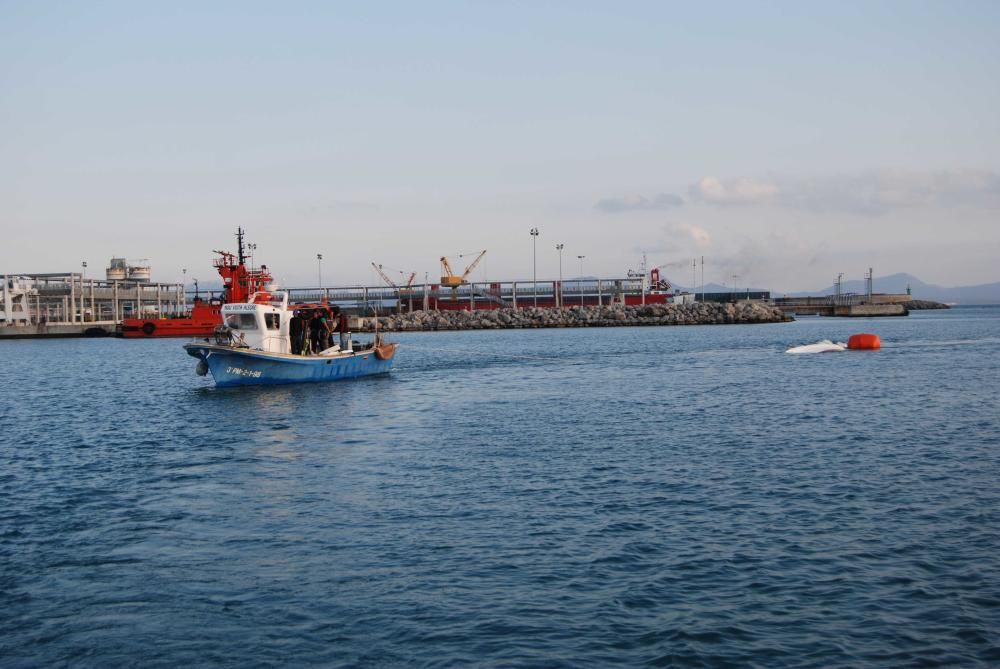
[260, 323]
[263, 323]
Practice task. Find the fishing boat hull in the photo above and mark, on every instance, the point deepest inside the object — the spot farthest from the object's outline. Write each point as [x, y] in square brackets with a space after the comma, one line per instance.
[231, 366]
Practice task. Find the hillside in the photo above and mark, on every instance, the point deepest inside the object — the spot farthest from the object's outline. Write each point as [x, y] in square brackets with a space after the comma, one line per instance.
[987, 293]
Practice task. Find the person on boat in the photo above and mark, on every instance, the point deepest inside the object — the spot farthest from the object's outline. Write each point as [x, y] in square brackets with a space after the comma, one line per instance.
[306, 339]
[320, 332]
[345, 338]
[295, 332]
[327, 329]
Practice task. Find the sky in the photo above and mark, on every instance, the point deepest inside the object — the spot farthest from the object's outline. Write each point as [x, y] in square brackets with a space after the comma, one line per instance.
[784, 142]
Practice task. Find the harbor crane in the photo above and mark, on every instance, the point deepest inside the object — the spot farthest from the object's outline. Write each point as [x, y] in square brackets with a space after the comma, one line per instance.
[452, 280]
[392, 284]
[401, 291]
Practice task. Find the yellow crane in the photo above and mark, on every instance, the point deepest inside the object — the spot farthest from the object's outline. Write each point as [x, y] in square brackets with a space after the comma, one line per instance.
[452, 280]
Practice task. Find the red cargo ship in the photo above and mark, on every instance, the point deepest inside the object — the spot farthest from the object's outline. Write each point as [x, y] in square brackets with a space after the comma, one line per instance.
[239, 283]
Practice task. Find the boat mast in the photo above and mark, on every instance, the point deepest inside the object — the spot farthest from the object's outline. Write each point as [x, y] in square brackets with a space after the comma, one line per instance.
[239, 243]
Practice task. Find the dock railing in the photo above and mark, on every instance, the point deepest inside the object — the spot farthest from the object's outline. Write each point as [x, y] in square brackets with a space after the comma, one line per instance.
[476, 295]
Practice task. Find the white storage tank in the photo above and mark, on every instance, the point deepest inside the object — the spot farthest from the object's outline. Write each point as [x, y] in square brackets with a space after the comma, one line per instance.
[139, 272]
[117, 269]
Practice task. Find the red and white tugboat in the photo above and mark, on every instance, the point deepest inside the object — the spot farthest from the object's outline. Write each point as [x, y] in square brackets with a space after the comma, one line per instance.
[239, 283]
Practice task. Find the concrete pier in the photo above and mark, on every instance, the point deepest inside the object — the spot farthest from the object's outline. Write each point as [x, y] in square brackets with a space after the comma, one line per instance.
[845, 305]
[45, 330]
[869, 310]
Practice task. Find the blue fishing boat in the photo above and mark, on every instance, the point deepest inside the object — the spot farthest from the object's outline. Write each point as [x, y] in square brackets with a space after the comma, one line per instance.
[254, 347]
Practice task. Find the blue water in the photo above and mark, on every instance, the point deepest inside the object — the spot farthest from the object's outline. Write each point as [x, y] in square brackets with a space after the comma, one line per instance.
[678, 496]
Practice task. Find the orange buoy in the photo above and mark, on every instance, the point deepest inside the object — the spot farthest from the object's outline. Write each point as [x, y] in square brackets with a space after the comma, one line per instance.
[864, 342]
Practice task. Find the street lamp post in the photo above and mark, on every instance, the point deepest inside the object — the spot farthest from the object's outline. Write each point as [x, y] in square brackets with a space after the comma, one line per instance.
[399, 293]
[83, 277]
[534, 265]
[559, 247]
[319, 270]
[581, 278]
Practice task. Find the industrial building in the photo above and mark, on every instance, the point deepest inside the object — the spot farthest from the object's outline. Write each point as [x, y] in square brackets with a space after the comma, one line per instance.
[69, 303]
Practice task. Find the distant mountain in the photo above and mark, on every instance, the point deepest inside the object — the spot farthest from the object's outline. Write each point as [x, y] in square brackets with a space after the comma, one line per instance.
[987, 293]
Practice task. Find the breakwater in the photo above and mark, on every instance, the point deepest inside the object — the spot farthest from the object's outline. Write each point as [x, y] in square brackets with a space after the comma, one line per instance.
[575, 317]
[916, 305]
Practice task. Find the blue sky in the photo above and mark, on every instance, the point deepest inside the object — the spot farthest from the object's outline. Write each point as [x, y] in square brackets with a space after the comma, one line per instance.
[785, 142]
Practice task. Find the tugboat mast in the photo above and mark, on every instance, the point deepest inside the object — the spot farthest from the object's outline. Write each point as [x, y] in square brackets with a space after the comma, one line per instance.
[239, 243]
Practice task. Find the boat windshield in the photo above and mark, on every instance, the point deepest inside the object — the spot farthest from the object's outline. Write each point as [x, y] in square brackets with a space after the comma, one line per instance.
[241, 321]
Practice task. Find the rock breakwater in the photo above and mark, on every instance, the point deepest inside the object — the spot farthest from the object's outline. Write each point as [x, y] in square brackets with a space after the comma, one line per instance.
[916, 305]
[574, 317]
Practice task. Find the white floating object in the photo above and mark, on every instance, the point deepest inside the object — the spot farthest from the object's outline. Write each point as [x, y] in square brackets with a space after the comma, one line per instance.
[824, 346]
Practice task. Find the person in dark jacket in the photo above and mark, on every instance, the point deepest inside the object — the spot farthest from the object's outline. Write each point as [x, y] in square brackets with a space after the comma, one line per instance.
[295, 332]
[320, 332]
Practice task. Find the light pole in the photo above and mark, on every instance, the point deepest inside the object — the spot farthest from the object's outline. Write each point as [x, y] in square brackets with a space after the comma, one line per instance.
[195, 288]
[184, 274]
[559, 247]
[399, 293]
[581, 278]
[319, 270]
[83, 277]
[534, 265]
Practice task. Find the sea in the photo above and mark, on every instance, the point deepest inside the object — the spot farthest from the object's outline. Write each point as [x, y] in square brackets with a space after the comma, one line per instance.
[655, 496]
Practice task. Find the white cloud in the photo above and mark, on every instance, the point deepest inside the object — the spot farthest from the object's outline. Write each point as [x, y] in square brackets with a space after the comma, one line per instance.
[733, 191]
[699, 236]
[877, 193]
[871, 193]
[639, 203]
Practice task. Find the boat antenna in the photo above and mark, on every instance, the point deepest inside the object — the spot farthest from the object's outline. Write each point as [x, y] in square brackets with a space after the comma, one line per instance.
[239, 243]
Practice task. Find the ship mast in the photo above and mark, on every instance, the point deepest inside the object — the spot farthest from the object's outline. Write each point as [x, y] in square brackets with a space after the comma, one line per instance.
[239, 243]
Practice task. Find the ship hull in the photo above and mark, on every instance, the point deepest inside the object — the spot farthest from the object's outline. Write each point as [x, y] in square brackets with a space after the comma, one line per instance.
[133, 328]
[231, 366]
[201, 323]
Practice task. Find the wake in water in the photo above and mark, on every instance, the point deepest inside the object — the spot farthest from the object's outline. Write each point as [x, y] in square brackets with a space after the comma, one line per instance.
[824, 346]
